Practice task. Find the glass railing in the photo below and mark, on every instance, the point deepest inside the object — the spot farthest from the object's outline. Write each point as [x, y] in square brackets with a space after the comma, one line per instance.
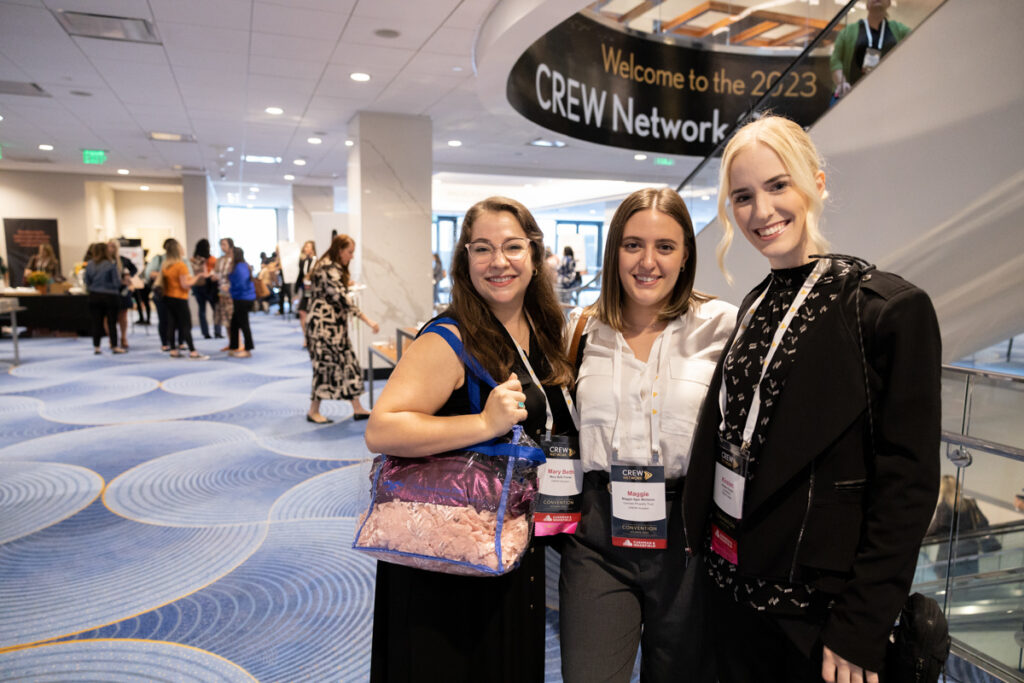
[789, 91]
[973, 560]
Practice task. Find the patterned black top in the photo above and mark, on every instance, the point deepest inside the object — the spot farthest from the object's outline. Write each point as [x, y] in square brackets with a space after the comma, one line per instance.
[742, 370]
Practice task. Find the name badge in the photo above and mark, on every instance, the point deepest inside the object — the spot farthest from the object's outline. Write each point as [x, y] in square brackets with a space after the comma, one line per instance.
[560, 494]
[872, 56]
[639, 519]
[730, 484]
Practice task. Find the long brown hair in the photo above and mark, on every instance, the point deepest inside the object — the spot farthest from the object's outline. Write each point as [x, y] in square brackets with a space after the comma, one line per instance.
[98, 252]
[482, 334]
[608, 307]
[172, 249]
[333, 255]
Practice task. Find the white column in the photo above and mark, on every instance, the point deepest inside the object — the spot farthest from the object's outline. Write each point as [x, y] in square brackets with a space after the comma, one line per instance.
[308, 200]
[389, 186]
[200, 210]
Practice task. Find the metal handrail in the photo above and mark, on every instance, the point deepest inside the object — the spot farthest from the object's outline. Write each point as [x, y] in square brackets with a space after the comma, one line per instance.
[980, 372]
[1002, 450]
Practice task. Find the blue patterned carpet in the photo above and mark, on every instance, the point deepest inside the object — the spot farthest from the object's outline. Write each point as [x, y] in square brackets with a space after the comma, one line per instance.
[170, 519]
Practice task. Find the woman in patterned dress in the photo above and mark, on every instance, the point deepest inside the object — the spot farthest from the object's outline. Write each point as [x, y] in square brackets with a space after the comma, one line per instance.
[224, 307]
[336, 371]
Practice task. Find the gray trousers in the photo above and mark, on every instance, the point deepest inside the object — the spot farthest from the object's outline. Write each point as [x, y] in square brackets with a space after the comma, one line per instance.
[613, 600]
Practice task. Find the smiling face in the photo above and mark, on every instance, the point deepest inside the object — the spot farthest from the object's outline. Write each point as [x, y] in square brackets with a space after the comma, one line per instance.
[769, 210]
[651, 255]
[499, 281]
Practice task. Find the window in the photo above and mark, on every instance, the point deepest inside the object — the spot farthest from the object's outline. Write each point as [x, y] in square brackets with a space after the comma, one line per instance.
[443, 236]
[254, 230]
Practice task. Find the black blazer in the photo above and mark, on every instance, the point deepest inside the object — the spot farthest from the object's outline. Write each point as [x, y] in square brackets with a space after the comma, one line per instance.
[827, 508]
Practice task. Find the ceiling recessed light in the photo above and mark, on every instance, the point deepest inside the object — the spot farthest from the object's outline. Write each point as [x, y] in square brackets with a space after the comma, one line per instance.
[144, 188]
[274, 111]
[257, 159]
[359, 76]
[289, 176]
[386, 33]
[254, 189]
[299, 162]
[46, 148]
[106, 27]
[123, 171]
[456, 68]
[314, 140]
[593, 211]
[349, 143]
[1, 117]
[230, 163]
[455, 143]
[640, 157]
[705, 197]
[541, 142]
[171, 137]
[231, 149]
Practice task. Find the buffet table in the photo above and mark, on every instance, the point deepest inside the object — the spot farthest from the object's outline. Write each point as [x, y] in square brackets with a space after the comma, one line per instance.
[64, 312]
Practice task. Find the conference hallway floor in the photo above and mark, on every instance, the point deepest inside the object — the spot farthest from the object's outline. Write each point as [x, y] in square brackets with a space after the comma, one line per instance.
[172, 519]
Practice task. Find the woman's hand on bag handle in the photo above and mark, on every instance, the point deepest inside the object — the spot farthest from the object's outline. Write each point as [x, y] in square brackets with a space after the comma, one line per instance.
[503, 410]
[835, 669]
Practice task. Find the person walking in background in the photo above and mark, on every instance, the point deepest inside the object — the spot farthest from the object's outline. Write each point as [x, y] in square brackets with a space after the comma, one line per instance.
[154, 275]
[126, 270]
[243, 296]
[860, 46]
[336, 371]
[438, 275]
[205, 290]
[45, 260]
[568, 276]
[103, 282]
[815, 464]
[141, 295]
[177, 283]
[307, 257]
[222, 312]
[663, 338]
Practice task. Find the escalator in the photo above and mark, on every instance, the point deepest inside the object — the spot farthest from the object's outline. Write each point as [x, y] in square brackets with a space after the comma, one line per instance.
[923, 165]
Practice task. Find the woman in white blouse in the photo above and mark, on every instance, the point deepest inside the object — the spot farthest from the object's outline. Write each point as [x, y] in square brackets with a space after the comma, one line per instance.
[649, 349]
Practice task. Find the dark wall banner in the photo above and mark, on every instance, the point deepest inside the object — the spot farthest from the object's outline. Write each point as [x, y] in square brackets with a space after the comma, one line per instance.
[591, 82]
[23, 237]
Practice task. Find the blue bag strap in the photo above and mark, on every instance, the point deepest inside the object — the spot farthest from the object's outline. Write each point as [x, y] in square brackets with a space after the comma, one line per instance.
[471, 363]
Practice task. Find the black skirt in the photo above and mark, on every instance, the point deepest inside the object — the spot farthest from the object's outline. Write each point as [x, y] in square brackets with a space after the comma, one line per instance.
[429, 626]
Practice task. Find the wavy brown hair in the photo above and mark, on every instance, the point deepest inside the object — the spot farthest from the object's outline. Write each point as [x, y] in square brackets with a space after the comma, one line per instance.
[482, 334]
[333, 255]
[608, 307]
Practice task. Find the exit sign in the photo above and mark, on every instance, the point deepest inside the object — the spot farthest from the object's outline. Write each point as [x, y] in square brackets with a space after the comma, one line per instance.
[93, 156]
[664, 161]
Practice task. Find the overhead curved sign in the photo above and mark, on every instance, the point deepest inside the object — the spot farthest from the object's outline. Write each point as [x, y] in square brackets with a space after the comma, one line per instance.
[591, 82]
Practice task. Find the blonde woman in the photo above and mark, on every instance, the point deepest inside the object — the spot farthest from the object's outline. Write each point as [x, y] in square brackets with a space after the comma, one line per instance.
[815, 464]
[177, 283]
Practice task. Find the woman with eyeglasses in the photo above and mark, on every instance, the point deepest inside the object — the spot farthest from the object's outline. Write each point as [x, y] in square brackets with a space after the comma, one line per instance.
[336, 371]
[815, 464]
[430, 626]
[649, 346]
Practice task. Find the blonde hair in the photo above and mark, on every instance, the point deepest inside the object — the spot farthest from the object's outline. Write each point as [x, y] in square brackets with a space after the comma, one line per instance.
[800, 158]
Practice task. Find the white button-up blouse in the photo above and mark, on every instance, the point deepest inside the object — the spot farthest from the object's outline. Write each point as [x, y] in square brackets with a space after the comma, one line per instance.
[697, 340]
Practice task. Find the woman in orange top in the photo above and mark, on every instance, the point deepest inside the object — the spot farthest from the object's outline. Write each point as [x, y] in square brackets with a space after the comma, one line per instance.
[177, 282]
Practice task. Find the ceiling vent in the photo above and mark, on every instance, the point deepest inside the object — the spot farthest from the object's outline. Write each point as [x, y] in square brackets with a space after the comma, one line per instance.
[171, 137]
[27, 160]
[18, 88]
[106, 27]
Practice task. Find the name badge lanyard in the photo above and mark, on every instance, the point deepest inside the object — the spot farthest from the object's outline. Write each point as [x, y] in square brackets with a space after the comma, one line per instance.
[656, 394]
[780, 331]
[549, 422]
[881, 34]
[732, 463]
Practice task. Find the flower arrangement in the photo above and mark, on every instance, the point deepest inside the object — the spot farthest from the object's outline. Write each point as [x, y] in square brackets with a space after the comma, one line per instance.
[37, 278]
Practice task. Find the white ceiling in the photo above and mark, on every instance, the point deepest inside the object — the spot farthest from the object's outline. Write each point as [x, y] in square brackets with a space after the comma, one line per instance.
[221, 63]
